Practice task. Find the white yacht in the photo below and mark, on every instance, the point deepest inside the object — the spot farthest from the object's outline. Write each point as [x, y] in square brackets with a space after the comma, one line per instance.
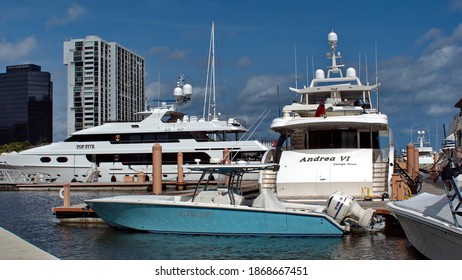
[110, 152]
[113, 150]
[426, 153]
[332, 139]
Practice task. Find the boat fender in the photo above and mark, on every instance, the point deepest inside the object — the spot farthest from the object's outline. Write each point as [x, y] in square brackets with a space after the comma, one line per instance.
[61, 193]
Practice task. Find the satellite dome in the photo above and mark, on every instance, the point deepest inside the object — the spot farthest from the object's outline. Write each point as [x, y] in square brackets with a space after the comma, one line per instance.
[178, 92]
[187, 90]
[319, 74]
[351, 72]
[332, 38]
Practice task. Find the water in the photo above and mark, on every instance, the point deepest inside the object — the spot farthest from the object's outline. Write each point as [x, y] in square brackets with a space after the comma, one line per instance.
[28, 214]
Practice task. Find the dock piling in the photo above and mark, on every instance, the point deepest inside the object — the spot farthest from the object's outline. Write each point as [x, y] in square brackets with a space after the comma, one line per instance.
[180, 179]
[157, 169]
[67, 195]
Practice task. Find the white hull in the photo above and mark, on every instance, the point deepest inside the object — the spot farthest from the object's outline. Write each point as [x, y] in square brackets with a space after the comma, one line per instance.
[428, 224]
[66, 163]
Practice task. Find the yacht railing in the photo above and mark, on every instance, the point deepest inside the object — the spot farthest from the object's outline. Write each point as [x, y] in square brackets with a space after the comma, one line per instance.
[12, 176]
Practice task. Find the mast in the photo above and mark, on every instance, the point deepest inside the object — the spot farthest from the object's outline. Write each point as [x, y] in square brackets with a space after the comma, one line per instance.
[210, 93]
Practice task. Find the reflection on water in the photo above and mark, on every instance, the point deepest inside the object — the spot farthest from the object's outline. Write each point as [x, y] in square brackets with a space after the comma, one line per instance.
[28, 215]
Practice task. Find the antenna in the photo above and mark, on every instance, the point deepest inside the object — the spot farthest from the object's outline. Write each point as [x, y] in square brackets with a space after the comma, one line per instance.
[158, 89]
[279, 106]
[307, 72]
[296, 67]
[367, 76]
[377, 75]
[312, 66]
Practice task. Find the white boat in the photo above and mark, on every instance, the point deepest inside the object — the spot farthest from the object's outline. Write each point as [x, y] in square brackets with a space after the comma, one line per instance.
[332, 139]
[112, 151]
[432, 223]
[426, 153]
[226, 211]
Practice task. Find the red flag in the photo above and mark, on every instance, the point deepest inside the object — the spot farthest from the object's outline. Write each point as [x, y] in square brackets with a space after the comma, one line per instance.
[321, 110]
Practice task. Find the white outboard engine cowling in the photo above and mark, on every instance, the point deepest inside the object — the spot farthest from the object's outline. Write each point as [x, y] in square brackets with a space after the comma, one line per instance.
[343, 207]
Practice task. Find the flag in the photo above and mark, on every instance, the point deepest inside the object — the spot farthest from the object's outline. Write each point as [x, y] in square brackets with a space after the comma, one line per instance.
[321, 110]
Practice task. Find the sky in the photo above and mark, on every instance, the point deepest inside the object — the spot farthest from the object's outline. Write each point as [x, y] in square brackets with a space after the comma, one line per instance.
[414, 48]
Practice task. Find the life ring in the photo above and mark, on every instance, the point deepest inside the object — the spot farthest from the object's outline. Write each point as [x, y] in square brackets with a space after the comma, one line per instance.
[61, 193]
[117, 138]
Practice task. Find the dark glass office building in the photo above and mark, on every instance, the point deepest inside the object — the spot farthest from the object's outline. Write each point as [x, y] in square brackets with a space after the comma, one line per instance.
[26, 105]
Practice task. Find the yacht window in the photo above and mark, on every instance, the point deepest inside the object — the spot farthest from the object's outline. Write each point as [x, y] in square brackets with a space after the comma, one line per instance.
[368, 140]
[146, 158]
[61, 159]
[328, 139]
[45, 159]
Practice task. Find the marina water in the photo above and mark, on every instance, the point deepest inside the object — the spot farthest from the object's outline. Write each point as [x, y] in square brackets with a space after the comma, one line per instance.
[28, 214]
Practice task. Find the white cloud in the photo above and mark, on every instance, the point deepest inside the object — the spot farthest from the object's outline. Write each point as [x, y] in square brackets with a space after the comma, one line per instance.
[13, 51]
[73, 13]
[421, 91]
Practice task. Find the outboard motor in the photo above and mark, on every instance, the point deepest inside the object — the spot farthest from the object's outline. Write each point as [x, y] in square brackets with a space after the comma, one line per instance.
[343, 208]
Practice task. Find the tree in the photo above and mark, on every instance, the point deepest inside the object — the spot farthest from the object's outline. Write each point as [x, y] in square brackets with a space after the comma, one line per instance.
[15, 147]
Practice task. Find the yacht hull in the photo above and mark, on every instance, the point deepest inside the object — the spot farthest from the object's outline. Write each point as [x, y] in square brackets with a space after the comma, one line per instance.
[63, 162]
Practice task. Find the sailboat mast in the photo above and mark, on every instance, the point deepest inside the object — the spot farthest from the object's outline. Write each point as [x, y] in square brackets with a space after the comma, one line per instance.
[210, 95]
[213, 105]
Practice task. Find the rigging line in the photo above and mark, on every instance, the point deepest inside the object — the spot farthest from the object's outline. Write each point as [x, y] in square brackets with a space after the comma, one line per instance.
[261, 120]
[251, 127]
[232, 148]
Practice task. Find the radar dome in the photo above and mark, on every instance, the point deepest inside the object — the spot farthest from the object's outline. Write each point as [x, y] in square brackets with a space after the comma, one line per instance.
[187, 90]
[178, 92]
[351, 72]
[332, 38]
[319, 74]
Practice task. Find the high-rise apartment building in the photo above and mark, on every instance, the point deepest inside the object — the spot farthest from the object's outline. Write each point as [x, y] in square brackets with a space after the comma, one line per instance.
[26, 107]
[105, 82]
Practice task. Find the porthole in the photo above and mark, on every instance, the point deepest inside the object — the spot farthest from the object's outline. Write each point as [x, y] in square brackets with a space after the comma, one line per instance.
[45, 159]
[61, 159]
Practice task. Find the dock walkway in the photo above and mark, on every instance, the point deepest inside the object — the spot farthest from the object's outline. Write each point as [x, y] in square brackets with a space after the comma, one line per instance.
[13, 247]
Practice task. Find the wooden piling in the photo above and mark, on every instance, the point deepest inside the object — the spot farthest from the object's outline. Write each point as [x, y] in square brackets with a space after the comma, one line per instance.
[67, 195]
[416, 163]
[180, 179]
[397, 187]
[157, 169]
[410, 151]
